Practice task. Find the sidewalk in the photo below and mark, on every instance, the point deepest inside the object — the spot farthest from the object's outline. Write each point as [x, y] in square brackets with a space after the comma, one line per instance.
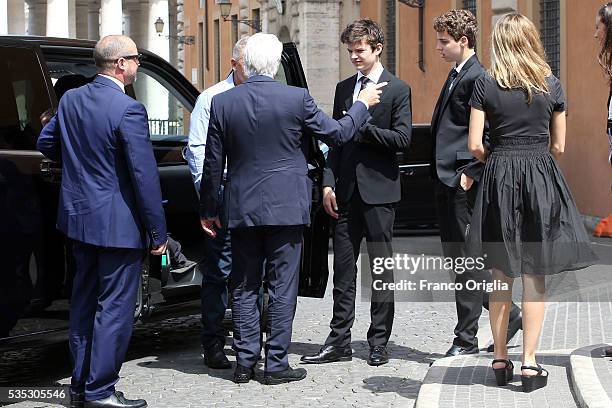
[570, 349]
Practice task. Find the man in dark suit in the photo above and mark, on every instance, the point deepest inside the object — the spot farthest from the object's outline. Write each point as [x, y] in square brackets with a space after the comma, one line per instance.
[111, 207]
[456, 171]
[362, 184]
[259, 128]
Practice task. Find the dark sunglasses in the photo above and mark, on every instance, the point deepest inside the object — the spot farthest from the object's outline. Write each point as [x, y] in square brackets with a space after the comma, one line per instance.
[137, 58]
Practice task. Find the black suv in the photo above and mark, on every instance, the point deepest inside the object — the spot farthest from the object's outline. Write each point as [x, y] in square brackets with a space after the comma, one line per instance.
[37, 267]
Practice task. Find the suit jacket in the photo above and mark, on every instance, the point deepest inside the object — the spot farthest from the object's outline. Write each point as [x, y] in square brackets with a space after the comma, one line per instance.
[110, 194]
[370, 161]
[450, 127]
[262, 128]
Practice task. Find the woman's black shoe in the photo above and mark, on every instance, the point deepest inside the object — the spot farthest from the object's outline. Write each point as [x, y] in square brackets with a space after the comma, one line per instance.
[503, 375]
[534, 382]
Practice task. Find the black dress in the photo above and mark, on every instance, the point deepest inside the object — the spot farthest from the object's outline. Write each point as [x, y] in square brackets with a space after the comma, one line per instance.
[524, 219]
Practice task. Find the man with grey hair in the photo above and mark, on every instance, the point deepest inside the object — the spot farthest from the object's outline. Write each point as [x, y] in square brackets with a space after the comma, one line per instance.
[262, 129]
[111, 208]
[217, 263]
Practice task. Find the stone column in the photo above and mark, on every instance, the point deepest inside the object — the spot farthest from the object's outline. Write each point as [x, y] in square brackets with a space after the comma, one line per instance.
[140, 27]
[111, 18]
[58, 24]
[245, 14]
[159, 44]
[72, 18]
[81, 20]
[180, 30]
[16, 17]
[37, 17]
[139, 32]
[93, 21]
[502, 7]
[3, 17]
[157, 96]
[318, 46]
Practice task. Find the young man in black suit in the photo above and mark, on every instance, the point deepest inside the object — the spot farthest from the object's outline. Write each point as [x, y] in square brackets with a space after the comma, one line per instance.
[457, 172]
[361, 186]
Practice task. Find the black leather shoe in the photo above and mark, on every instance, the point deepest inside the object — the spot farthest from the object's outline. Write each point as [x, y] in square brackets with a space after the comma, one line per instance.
[329, 354]
[214, 357]
[608, 351]
[513, 327]
[456, 350]
[378, 356]
[77, 400]
[116, 400]
[243, 375]
[288, 375]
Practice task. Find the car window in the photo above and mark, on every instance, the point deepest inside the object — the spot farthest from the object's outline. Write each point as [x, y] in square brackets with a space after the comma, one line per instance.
[23, 98]
[168, 116]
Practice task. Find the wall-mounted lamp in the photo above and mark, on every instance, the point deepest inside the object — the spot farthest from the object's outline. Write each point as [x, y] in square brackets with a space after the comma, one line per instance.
[182, 39]
[225, 8]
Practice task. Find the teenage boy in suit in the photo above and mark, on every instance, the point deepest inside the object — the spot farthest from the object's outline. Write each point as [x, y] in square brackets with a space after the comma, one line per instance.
[456, 171]
[361, 185]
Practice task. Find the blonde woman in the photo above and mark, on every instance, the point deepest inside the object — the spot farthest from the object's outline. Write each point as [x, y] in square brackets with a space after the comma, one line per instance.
[524, 219]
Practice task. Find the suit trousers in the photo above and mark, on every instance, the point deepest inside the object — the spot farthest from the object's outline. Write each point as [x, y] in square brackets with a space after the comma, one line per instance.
[102, 309]
[216, 269]
[280, 247]
[357, 219]
[454, 206]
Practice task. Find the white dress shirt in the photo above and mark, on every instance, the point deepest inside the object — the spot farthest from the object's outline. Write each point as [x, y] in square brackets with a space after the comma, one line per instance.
[115, 80]
[373, 76]
[198, 128]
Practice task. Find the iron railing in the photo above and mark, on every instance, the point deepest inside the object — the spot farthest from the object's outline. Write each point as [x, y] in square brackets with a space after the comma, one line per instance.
[165, 127]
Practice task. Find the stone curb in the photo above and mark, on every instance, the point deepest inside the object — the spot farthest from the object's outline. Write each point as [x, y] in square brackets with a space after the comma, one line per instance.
[431, 387]
[584, 379]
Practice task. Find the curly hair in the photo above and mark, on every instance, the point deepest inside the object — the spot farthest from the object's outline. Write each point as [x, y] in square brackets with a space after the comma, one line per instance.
[364, 28]
[458, 23]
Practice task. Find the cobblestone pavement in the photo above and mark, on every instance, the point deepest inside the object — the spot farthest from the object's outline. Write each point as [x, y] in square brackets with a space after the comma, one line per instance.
[164, 363]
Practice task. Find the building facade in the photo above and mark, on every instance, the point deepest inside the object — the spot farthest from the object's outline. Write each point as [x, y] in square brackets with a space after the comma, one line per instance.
[314, 25]
[566, 28]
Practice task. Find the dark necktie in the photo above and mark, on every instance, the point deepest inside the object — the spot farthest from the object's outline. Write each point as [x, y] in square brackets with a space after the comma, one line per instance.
[364, 82]
[449, 81]
[451, 77]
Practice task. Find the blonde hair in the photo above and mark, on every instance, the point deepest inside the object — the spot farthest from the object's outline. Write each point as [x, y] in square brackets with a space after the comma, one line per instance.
[518, 60]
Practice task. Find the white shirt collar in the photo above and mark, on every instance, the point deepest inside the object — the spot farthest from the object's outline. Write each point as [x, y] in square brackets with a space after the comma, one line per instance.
[115, 80]
[374, 74]
[459, 67]
[230, 78]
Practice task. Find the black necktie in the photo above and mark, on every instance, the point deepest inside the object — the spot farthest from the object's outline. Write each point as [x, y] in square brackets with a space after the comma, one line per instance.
[449, 81]
[364, 82]
[451, 77]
